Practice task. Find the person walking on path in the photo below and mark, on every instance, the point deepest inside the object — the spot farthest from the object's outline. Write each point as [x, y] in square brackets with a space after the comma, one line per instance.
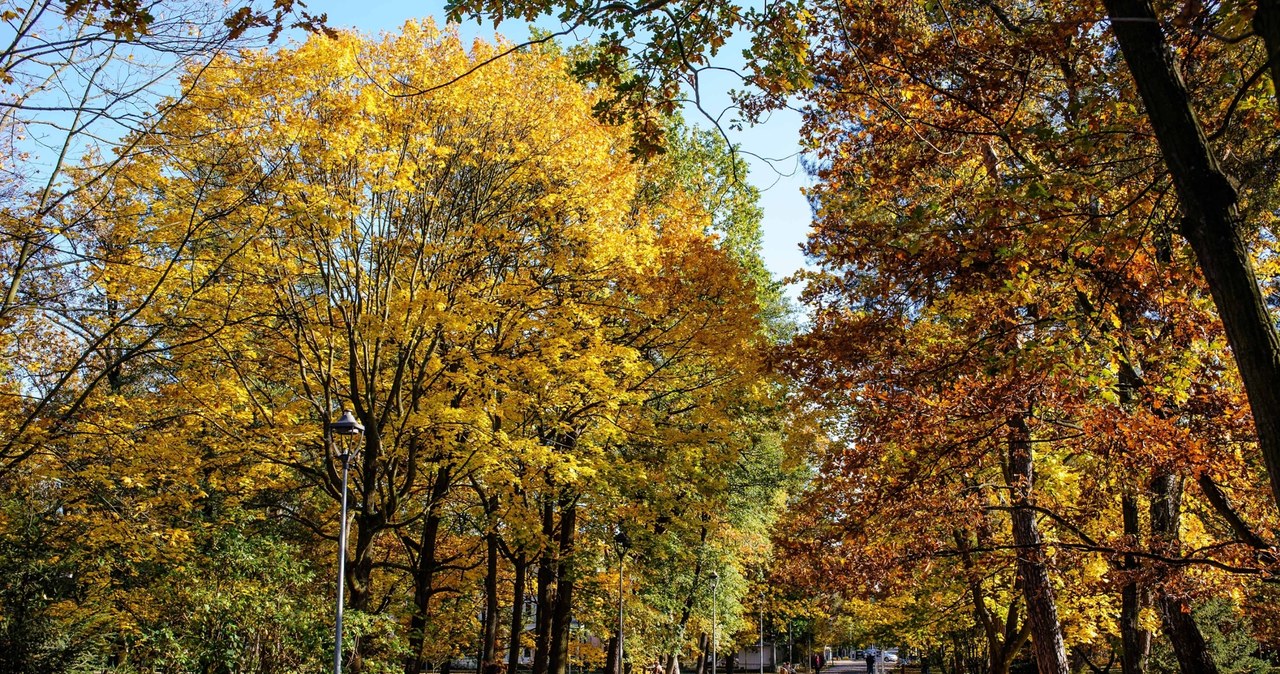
[871, 663]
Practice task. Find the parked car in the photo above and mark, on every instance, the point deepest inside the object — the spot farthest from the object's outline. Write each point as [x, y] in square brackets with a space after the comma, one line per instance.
[890, 656]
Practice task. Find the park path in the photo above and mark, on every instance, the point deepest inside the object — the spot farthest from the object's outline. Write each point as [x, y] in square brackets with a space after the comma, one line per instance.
[856, 667]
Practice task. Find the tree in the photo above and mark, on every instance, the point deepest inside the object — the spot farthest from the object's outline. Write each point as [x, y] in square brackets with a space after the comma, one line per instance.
[801, 49]
[527, 335]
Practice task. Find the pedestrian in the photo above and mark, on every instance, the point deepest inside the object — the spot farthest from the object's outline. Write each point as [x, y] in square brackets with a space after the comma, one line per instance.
[871, 662]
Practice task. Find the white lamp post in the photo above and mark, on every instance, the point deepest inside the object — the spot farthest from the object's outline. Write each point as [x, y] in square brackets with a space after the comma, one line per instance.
[715, 599]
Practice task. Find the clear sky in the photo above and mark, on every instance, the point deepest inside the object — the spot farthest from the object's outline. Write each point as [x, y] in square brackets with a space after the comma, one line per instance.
[786, 213]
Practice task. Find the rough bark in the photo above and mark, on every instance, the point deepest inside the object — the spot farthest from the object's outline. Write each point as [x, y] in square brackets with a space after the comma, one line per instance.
[425, 572]
[1033, 568]
[1266, 21]
[1211, 220]
[489, 649]
[611, 656]
[1135, 641]
[546, 578]
[562, 611]
[1179, 625]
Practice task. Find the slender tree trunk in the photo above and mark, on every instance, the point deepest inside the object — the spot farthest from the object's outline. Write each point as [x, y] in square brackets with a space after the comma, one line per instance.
[686, 610]
[562, 615]
[517, 613]
[546, 577]
[704, 648]
[425, 574]
[1135, 641]
[1033, 569]
[1180, 627]
[489, 649]
[1212, 223]
[1003, 640]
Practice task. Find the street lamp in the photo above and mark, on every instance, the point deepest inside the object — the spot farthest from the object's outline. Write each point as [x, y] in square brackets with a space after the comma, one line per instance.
[623, 543]
[715, 599]
[348, 426]
[761, 579]
[762, 632]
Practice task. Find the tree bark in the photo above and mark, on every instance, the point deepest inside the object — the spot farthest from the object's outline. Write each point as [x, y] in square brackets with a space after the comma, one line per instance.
[546, 577]
[686, 611]
[1266, 21]
[489, 649]
[1004, 640]
[704, 650]
[425, 573]
[1211, 222]
[1135, 641]
[1180, 627]
[611, 656]
[562, 614]
[1033, 569]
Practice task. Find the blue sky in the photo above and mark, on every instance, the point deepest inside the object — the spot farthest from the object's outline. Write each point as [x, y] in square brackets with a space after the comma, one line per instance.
[786, 213]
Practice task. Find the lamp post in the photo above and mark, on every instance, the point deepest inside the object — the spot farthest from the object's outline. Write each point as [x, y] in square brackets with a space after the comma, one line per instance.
[623, 543]
[715, 599]
[762, 632]
[348, 426]
[761, 579]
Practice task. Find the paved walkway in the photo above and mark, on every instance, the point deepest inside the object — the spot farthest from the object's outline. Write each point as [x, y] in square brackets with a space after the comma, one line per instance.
[859, 666]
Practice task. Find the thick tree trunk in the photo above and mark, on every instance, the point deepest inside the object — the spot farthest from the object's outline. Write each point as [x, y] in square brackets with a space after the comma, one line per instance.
[562, 615]
[1033, 569]
[425, 573]
[546, 577]
[1135, 642]
[517, 613]
[1266, 21]
[489, 649]
[1212, 222]
[611, 656]
[1180, 627]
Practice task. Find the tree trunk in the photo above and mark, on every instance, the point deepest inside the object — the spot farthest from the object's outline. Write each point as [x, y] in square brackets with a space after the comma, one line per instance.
[1033, 570]
[546, 577]
[1135, 641]
[1180, 627]
[562, 615]
[1004, 640]
[1266, 21]
[686, 611]
[1211, 222]
[517, 614]
[489, 649]
[425, 574]
[704, 650]
[611, 656]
